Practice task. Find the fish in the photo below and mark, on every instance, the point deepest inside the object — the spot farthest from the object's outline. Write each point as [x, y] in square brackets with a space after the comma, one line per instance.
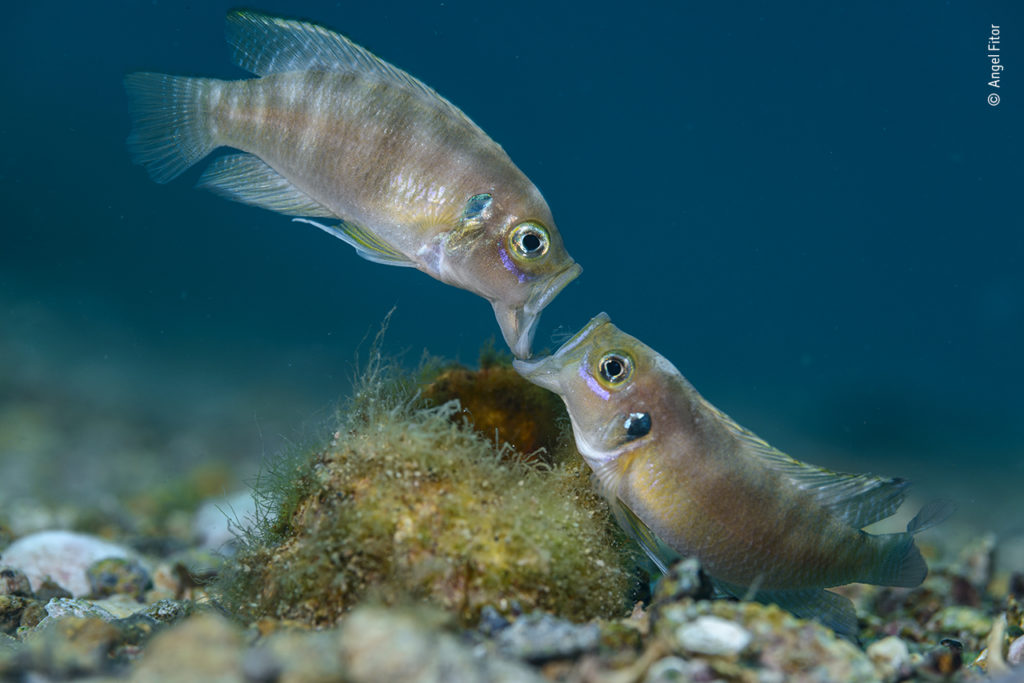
[685, 480]
[327, 130]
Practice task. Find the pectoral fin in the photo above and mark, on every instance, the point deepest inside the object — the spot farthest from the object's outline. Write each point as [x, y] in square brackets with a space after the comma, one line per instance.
[659, 553]
[248, 179]
[367, 244]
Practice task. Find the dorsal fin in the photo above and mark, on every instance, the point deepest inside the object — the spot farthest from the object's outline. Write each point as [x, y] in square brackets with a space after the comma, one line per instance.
[857, 499]
[268, 45]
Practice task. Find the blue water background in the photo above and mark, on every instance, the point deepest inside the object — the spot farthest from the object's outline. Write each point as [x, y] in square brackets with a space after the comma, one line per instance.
[810, 208]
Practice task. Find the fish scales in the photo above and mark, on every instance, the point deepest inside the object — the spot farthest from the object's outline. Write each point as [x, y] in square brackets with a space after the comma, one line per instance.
[330, 131]
[345, 127]
[684, 479]
[702, 518]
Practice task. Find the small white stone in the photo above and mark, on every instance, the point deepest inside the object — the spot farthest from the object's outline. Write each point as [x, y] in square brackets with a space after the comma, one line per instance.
[62, 555]
[889, 656]
[711, 635]
[75, 607]
[1015, 655]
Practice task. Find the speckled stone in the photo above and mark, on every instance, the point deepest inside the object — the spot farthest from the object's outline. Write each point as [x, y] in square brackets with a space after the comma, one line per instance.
[955, 620]
[385, 645]
[205, 647]
[542, 637]
[14, 582]
[891, 658]
[711, 635]
[71, 646]
[678, 670]
[1015, 653]
[61, 555]
[117, 575]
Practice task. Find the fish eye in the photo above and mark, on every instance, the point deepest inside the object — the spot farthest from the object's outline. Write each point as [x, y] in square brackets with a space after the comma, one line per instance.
[615, 368]
[529, 240]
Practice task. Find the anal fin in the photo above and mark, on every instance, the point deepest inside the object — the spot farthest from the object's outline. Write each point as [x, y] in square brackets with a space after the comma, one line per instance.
[248, 179]
[828, 608]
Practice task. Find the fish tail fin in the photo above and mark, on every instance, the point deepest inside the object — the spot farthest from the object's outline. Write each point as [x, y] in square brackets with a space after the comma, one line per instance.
[901, 561]
[170, 122]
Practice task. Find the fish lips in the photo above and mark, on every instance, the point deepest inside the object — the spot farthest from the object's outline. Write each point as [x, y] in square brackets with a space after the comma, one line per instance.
[519, 323]
[546, 372]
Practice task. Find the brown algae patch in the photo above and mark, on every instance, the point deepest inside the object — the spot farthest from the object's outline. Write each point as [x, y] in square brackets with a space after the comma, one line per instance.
[409, 503]
[502, 406]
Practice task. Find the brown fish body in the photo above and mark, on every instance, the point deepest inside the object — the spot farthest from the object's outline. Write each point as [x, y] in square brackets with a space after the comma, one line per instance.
[685, 479]
[698, 491]
[328, 130]
[407, 168]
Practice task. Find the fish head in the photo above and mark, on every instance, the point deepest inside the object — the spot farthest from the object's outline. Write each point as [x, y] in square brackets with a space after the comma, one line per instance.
[515, 258]
[613, 386]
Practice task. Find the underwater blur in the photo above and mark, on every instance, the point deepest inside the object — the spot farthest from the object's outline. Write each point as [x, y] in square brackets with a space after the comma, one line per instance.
[815, 216]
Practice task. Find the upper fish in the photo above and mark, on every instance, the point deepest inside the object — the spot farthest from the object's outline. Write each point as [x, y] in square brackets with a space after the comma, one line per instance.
[687, 480]
[330, 131]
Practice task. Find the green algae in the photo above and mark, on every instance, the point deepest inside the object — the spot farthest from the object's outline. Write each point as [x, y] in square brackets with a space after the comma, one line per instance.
[407, 502]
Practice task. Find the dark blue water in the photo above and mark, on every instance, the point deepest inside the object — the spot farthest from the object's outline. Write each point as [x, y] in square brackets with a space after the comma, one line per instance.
[815, 214]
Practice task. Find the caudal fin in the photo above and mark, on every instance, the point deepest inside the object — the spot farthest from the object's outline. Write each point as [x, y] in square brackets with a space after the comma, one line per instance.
[901, 561]
[170, 122]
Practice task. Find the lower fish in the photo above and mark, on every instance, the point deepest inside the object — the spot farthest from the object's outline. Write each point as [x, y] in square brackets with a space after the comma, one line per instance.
[685, 479]
[330, 131]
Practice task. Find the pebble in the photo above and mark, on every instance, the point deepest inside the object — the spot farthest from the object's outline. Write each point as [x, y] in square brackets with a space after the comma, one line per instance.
[684, 579]
[891, 658]
[59, 608]
[542, 637]
[1015, 655]
[218, 522]
[14, 582]
[385, 645]
[491, 621]
[956, 620]
[204, 647]
[117, 576]
[674, 669]
[711, 635]
[62, 555]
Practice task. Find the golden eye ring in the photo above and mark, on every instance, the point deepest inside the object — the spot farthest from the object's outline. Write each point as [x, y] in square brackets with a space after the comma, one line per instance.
[529, 240]
[615, 368]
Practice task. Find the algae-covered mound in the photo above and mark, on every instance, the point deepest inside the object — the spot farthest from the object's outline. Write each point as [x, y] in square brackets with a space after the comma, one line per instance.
[405, 503]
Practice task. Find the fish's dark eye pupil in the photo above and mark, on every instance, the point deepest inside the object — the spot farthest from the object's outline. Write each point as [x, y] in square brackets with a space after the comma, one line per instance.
[613, 368]
[530, 242]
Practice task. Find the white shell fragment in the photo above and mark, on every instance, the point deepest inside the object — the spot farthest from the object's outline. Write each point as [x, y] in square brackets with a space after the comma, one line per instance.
[711, 635]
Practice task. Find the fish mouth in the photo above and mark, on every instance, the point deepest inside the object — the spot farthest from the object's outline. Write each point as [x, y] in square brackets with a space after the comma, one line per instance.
[546, 371]
[573, 341]
[518, 324]
[543, 372]
[541, 298]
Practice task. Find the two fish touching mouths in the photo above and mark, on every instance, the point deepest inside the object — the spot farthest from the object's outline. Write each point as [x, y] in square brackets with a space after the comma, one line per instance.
[337, 138]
